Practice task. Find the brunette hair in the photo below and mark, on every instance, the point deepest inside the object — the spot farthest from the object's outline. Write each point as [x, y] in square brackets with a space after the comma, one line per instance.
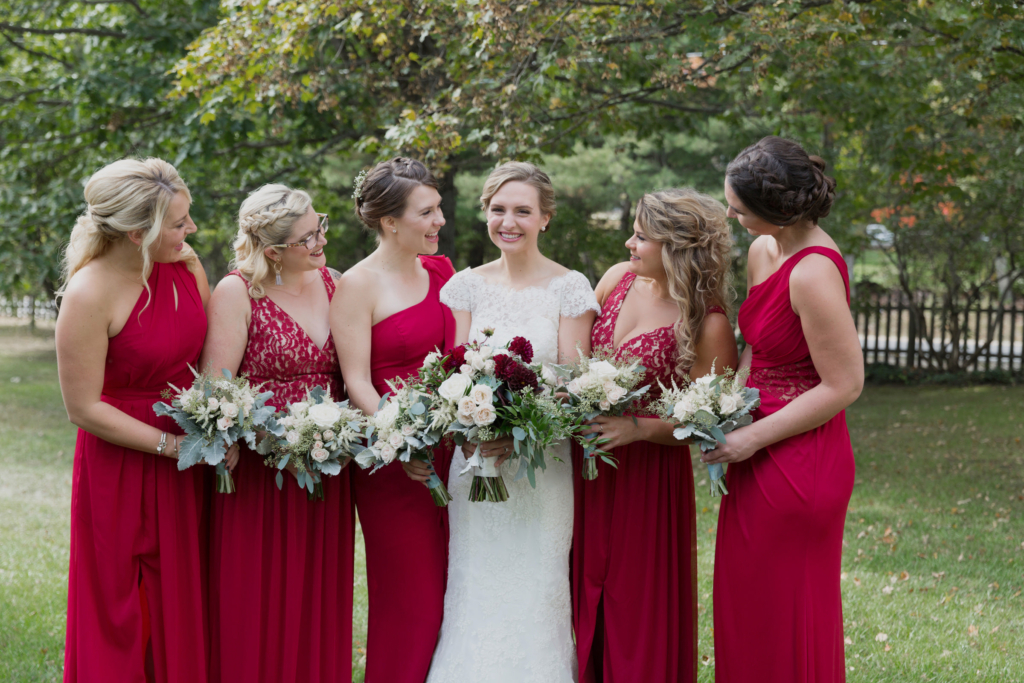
[266, 218]
[778, 181]
[695, 249]
[386, 188]
[522, 172]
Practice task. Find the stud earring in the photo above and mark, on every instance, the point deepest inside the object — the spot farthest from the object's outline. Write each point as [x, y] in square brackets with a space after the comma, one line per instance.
[544, 229]
[277, 274]
[394, 229]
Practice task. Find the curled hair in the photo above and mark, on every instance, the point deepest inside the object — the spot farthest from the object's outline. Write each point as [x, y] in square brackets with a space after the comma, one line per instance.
[522, 172]
[387, 187]
[123, 197]
[695, 249]
[266, 218]
[779, 182]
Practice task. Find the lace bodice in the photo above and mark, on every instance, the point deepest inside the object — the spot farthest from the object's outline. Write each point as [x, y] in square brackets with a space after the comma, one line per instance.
[532, 312]
[281, 354]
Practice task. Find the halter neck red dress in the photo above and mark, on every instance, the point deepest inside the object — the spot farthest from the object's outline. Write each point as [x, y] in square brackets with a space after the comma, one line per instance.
[634, 550]
[406, 534]
[281, 565]
[778, 610]
[134, 516]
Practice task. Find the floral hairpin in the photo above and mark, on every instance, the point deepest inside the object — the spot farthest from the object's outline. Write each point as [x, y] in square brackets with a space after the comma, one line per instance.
[357, 185]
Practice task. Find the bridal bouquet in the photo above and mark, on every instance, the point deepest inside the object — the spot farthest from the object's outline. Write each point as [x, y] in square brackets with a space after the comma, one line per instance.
[215, 412]
[484, 393]
[400, 430]
[314, 435]
[598, 386]
[707, 409]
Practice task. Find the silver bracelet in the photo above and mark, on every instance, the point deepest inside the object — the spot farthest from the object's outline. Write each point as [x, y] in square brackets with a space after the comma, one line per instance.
[163, 443]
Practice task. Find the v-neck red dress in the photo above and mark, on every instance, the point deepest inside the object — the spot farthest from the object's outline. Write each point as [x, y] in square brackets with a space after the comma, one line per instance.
[406, 534]
[134, 516]
[778, 609]
[281, 565]
[634, 552]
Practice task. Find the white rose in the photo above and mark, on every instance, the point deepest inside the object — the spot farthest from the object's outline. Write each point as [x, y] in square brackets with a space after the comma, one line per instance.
[604, 405]
[706, 380]
[229, 410]
[479, 363]
[225, 423]
[454, 388]
[486, 352]
[316, 436]
[431, 358]
[286, 421]
[328, 435]
[481, 394]
[213, 403]
[388, 453]
[683, 410]
[466, 369]
[293, 437]
[386, 416]
[484, 415]
[324, 415]
[320, 455]
[602, 370]
[466, 405]
[730, 403]
[616, 393]
[548, 376]
[408, 430]
[489, 368]
[574, 387]
[318, 444]
[466, 419]
[471, 356]
[396, 440]
[298, 409]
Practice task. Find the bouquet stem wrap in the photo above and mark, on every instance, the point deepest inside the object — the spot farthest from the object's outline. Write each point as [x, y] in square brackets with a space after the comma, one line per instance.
[716, 473]
[488, 485]
[438, 491]
[225, 484]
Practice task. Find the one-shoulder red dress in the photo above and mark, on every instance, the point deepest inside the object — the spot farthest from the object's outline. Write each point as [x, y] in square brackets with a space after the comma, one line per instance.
[134, 516]
[406, 534]
[777, 604]
[634, 549]
[281, 565]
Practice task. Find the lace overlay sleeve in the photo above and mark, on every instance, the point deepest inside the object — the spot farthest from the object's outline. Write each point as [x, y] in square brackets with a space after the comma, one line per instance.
[457, 294]
[577, 296]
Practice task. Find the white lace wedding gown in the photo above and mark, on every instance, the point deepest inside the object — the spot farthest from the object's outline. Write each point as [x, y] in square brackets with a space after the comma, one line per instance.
[508, 609]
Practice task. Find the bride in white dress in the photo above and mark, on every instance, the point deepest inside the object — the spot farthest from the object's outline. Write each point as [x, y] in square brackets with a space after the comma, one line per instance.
[508, 608]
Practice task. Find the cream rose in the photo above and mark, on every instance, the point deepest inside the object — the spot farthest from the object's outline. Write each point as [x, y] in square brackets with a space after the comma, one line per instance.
[730, 403]
[604, 405]
[388, 453]
[293, 437]
[466, 405]
[431, 358]
[481, 394]
[225, 423]
[408, 430]
[454, 388]
[328, 435]
[466, 419]
[320, 455]
[212, 403]
[318, 444]
[396, 440]
[683, 410]
[602, 370]
[298, 409]
[484, 415]
[615, 393]
[229, 410]
[324, 415]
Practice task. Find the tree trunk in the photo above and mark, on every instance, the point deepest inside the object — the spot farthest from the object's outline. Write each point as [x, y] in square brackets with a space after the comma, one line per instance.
[449, 197]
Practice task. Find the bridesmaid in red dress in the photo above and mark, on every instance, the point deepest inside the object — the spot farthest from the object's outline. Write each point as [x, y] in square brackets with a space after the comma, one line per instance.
[281, 565]
[131, 321]
[778, 611]
[386, 318]
[634, 546]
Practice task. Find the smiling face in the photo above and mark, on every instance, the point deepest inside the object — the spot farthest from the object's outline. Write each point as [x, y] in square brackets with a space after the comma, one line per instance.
[417, 229]
[176, 226]
[514, 219]
[299, 258]
[755, 225]
[644, 254]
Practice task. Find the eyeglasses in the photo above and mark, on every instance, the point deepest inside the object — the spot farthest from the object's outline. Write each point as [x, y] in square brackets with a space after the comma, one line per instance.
[311, 241]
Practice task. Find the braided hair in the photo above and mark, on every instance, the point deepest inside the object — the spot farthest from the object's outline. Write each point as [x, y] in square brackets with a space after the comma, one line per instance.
[386, 188]
[779, 182]
[695, 250]
[266, 218]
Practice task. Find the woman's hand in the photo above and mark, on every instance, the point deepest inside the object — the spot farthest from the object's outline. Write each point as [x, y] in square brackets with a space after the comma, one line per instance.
[618, 430]
[231, 457]
[418, 470]
[738, 447]
[502, 449]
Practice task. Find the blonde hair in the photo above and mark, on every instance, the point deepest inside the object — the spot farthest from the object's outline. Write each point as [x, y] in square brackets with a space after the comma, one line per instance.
[266, 218]
[123, 197]
[522, 172]
[696, 245]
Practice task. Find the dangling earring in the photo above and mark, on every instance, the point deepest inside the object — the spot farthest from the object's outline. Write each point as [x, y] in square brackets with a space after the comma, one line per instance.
[277, 274]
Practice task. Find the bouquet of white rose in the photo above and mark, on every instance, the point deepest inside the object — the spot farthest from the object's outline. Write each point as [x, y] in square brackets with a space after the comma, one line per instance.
[483, 393]
[399, 430]
[598, 386]
[314, 435]
[707, 409]
[215, 412]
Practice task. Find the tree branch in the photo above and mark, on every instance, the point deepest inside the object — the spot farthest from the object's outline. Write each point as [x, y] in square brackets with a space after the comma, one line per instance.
[67, 65]
[52, 32]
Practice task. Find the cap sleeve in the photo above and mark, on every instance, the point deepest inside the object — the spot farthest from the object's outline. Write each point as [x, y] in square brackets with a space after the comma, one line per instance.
[457, 293]
[577, 296]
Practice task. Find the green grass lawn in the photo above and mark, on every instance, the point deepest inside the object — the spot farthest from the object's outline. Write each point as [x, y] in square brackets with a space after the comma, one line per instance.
[934, 555]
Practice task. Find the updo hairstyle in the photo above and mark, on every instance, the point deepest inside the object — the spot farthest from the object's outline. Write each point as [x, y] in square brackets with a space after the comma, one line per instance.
[779, 182]
[696, 246]
[386, 189]
[123, 197]
[522, 172]
[266, 218]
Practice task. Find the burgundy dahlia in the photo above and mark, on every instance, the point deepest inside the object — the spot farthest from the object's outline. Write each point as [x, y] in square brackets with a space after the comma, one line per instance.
[503, 366]
[522, 377]
[455, 359]
[522, 348]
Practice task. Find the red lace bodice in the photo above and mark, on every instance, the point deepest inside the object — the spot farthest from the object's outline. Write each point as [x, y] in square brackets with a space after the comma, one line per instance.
[655, 349]
[282, 356]
[781, 364]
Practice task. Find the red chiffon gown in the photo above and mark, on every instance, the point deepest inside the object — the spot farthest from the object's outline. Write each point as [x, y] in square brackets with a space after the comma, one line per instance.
[778, 612]
[134, 516]
[281, 565]
[406, 534]
[634, 557]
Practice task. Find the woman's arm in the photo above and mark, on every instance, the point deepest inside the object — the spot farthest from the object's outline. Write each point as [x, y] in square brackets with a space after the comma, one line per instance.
[81, 336]
[574, 337]
[351, 324]
[202, 282]
[818, 296]
[228, 312]
[463, 323]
